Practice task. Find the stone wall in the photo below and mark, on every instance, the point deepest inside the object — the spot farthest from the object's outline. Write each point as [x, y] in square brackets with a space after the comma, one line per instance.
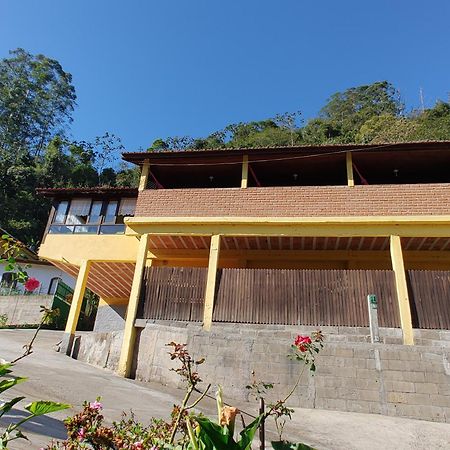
[352, 374]
[24, 309]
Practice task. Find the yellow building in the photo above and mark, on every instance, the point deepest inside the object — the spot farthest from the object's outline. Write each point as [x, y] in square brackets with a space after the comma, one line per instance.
[295, 235]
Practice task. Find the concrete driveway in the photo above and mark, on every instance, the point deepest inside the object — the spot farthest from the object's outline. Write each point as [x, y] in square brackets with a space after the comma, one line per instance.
[53, 376]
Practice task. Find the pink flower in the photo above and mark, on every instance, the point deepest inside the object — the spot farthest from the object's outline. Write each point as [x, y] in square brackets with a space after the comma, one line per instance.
[301, 342]
[96, 405]
[81, 434]
[31, 284]
[138, 445]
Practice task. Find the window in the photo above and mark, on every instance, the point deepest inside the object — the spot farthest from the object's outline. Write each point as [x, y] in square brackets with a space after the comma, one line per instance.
[78, 211]
[53, 285]
[95, 216]
[87, 216]
[126, 209]
[8, 280]
[111, 212]
[61, 211]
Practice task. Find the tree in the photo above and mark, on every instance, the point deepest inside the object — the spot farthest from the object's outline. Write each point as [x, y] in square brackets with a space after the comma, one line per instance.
[342, 117]
[387, 128]
[36, 101]
[434, 123]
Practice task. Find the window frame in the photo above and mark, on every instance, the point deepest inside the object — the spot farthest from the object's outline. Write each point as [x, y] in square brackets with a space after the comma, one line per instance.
[101, 225]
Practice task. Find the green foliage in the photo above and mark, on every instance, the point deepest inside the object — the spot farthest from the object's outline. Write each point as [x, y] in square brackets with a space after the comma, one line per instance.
[215, 437]
[43, 407]
[36, 99]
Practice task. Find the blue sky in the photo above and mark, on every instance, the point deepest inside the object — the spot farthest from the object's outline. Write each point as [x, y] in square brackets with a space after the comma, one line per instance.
[148, 69]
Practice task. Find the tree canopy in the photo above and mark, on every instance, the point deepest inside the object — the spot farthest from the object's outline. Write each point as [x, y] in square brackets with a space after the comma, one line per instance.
[37, 99]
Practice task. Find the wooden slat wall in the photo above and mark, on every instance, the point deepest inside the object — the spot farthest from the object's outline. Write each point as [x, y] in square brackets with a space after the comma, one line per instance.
[430, 298]
[173, 293]
[305, 297]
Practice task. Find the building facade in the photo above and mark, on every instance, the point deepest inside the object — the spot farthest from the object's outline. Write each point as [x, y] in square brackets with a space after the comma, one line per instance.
[267, 236]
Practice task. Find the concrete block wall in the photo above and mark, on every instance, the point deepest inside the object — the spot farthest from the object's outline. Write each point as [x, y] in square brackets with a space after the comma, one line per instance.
[352, 374]
[98, 349]
[24, 309]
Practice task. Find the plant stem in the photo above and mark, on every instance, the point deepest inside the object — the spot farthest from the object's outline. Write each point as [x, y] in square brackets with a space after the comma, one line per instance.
[29, 347]
[199, 399]
[290, 393]
[180, 414]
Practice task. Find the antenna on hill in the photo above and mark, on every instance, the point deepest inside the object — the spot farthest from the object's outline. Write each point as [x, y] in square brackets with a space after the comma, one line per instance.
[422, 103]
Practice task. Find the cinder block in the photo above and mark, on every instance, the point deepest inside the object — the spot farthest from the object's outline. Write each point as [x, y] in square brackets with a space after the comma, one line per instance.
[345, 352]
[432, 357]
[358, 406]
[366, 374]
[399, 386]
[440, 400]
[426, 388]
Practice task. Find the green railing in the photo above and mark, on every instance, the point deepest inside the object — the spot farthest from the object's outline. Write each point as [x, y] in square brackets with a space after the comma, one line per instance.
[63, 299]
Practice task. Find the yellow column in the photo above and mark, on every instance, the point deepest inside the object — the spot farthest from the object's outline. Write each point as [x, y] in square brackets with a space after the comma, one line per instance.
[349, 162]
[75, 307]
[402, 290]
[211, 281]
[244, 180]
[144, 175]
[129, 336]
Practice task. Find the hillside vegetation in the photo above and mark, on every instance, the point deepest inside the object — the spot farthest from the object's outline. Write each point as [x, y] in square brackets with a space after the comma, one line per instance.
[37, 100]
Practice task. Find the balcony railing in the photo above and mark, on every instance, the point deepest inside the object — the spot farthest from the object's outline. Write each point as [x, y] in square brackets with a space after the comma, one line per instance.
[87, 229]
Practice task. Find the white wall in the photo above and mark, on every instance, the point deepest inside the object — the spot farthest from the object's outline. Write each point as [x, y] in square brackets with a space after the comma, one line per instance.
[43, 273]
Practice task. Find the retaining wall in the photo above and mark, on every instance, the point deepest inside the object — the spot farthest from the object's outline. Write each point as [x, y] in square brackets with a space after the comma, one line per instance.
[352, 375]
[24, 309]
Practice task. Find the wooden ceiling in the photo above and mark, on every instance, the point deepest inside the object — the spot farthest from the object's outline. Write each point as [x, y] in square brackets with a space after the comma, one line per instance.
[296, 243]
[114, 279]
[106, 279]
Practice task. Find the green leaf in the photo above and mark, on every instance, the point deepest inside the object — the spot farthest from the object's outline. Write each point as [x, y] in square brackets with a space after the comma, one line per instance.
[248, 433]
[42, 407]
[5, 369]
[6, 407]
[220, 437]
[7, 384]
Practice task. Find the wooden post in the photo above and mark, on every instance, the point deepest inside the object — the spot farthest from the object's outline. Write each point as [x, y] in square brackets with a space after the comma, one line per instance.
[349, 162]
[402, 289]
[211, 281]
[75, 307]
[129, 336]
[244, 180]
[144, 175]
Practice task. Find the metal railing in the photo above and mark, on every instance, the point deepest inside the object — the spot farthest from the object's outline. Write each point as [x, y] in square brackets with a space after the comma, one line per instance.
[87, 229]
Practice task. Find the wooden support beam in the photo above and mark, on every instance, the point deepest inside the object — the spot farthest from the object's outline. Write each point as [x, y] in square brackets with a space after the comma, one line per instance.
[144, 175]
[244, 179]
[214, 252]
[129, 337]
[349, 162]
[402, 289]
[75, 307]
